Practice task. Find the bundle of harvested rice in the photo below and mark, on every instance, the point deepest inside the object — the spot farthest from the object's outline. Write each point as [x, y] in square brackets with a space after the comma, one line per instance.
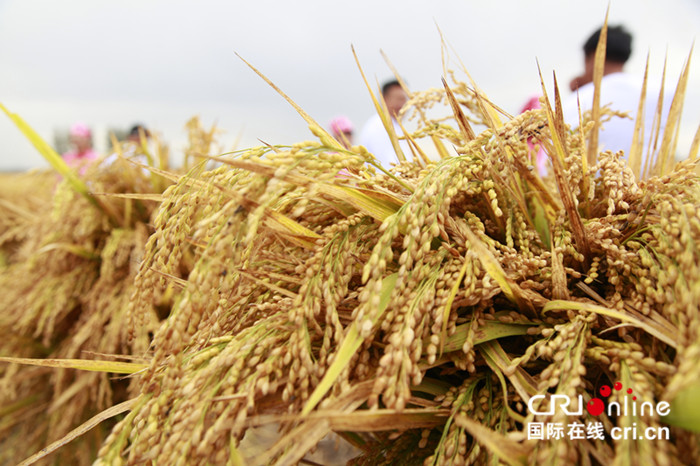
[429, 315]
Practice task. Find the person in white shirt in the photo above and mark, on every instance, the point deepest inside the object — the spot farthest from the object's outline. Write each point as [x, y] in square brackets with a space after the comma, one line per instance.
[619, 89]
[374, 136]
[131, 148]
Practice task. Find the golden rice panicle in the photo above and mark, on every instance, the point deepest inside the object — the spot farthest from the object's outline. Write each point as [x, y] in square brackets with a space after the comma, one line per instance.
[167, 252]
[328, 274]
[567, 351]
[176, 244]
[618, 182]
[205, 434]
[304, 315]
[446, 182]
[421, 102]
[201, 142]
[454, 446]
[413, 294]
[398, 367]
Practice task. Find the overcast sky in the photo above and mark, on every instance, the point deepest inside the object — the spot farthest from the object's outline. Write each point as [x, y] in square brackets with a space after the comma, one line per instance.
[112, 63]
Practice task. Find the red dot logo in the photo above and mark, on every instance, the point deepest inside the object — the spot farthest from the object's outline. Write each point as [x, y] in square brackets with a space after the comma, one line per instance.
[629, 390]
[605, 391]
[595, 407]
[618, 386]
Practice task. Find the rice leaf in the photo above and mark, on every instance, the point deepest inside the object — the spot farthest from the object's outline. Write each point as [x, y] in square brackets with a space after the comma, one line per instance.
[117, 367]
[492, 330]
[382, 419]
[637, 147]
[387, 419]
[139, 196]
[646, 324]
[695, 146]
[510, 289]
[497, 358]
[71, 248]
[598, 71]
[315, 128]
[650, 160]
[375, 207]
[289, 225]
[462, 121]
[666, 151]
[234, 458]
[81, 430]
[556, 127]
[404, 86]
[685, 410]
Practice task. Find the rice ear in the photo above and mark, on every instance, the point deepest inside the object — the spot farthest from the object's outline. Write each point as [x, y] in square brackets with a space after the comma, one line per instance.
[350, 345]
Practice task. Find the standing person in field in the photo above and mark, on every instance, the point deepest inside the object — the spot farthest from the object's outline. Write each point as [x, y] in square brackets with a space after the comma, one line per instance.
[82, 154]
[135, 133]
[131, 147]
[618, 88]
[374, 136]
[341, 129]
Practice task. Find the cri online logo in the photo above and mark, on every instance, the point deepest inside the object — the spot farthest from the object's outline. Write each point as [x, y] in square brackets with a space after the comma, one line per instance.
[596, 406]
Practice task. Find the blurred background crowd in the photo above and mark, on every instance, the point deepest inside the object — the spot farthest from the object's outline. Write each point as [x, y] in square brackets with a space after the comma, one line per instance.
[81, 69]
